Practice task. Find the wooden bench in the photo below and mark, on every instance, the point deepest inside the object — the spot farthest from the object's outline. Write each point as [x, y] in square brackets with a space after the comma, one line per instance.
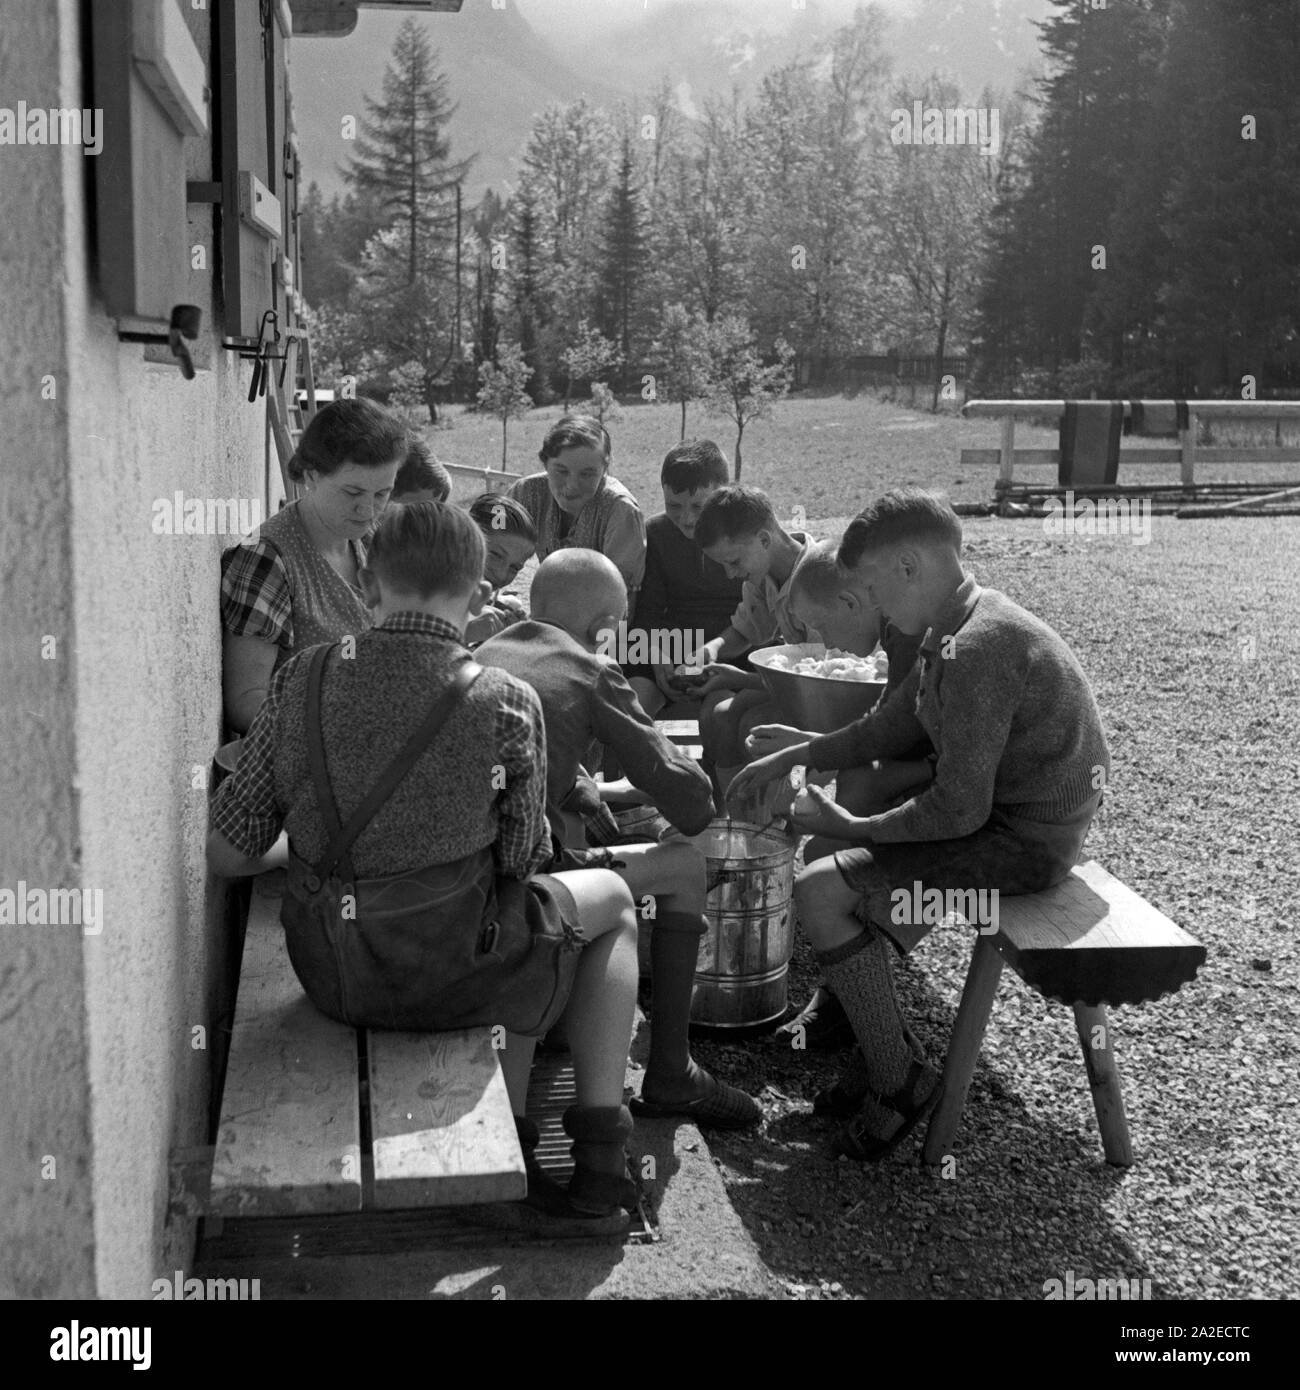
[484, 479]
[1089, 942]
[319, 1117]
[1186, 453]
[680, 723]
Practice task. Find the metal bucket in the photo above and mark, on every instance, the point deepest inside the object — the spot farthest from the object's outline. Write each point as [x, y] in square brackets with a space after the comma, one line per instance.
[741, 977]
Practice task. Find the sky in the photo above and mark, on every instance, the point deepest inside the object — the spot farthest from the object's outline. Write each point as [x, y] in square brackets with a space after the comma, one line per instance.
[594, 15]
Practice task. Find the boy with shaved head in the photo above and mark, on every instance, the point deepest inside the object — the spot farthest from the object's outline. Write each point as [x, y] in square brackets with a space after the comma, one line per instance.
[1019, 762]
[577, 600]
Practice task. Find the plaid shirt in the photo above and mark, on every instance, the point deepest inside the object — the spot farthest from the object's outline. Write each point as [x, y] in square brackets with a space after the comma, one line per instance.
[250, 815]
[276, 586]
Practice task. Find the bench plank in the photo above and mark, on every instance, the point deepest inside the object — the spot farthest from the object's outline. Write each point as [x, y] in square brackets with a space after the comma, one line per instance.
[1093, 940]
[441, 1126]
[290, 1135]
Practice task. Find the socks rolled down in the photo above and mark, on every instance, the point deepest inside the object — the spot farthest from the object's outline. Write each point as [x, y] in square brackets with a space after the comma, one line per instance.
[861, 973]
[600, 1181]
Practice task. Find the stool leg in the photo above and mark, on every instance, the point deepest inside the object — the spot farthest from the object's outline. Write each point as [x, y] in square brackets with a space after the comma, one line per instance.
[1103, 1076]
[964, 1046]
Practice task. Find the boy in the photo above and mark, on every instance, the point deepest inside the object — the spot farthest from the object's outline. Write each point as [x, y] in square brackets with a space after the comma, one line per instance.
[683, 591]
[738, 529]
[578, 599]
[421, 478]
[1019, 760]
[465, 825]
[511, 540]
[824, 598]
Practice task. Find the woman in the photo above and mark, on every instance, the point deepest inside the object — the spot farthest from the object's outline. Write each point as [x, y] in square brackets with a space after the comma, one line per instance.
[576, 502]
[295, 582]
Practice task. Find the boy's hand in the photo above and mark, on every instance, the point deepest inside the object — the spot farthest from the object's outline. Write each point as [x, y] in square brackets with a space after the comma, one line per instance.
[759, 774]
[826, 817]
[511, 605]
[775, 738]
[719, 676]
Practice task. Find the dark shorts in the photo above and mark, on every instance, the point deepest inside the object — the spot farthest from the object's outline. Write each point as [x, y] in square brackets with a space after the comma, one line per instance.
[446, 947]
[1009, 855]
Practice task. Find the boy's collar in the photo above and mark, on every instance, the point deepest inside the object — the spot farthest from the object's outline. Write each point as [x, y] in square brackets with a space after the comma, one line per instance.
[412, 620]
[954, 613]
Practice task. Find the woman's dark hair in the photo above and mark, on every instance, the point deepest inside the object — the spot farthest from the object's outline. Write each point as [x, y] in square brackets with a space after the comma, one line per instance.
[421, 472]
[427, 548]
[901, 514]
[503, 516]
[734, 513]
[575, 432]
[349, 431]
[697, 463]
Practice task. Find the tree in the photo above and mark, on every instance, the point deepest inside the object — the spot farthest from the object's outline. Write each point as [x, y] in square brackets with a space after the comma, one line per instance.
[623, 255]
[936, 205]
[503, 391]
[741, 387]
[1055, 215]
[603, 403]
[679, 358]
[1205, 289]
[699, 223]
[591, 356]
[403, 166]
[814, 133]
[568, 165]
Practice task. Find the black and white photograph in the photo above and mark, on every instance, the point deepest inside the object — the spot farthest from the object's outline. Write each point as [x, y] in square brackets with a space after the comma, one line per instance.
[650, 652]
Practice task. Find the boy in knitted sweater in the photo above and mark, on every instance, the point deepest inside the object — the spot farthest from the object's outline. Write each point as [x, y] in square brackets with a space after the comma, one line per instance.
[1020, 758]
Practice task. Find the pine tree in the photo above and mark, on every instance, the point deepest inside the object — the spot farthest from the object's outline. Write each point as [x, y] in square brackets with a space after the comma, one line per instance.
[1053, 219]
[403, 165]
[622, 259]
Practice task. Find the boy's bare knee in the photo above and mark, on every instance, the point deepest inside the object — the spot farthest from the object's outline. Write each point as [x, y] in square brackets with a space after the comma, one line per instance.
[820, 896]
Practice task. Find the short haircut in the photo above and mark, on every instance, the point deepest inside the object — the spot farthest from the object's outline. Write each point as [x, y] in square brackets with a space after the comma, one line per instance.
[427, 548]
[355, 430]
[421, 472]
[902, 514]
[502, 516]
[575, 432]
[734, 513]
[697, 463]
[818, 573]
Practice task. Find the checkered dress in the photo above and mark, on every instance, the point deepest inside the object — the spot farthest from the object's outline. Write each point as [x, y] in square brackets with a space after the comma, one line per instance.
[277, 586]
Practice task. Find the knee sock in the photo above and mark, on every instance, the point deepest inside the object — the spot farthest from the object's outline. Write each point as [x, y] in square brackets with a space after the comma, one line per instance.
[862, 975]
[674, 953]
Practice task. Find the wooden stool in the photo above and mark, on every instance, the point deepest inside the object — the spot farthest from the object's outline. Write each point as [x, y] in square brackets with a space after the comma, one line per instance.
[1089, 942]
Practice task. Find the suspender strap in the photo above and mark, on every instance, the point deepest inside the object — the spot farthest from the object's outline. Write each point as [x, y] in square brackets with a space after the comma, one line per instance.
[341, 837]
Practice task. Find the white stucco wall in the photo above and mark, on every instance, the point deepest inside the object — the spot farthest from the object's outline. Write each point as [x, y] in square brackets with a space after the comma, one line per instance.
[101, 745]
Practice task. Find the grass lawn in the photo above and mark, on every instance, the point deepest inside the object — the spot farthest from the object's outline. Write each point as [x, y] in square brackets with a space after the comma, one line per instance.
[828, 454]
[1192, 646]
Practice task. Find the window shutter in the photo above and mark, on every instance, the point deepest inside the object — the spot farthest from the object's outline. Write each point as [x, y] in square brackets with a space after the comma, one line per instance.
[150, 81]
[251, 43]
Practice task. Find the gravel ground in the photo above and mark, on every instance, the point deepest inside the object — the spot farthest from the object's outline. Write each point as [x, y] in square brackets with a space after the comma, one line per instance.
[1191, 645]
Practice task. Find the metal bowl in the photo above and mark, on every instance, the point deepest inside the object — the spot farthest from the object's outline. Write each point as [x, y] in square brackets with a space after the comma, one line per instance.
[815, 703]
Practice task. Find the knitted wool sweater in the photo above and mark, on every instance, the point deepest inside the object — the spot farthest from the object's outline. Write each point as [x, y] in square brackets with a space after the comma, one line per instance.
[1010, 714]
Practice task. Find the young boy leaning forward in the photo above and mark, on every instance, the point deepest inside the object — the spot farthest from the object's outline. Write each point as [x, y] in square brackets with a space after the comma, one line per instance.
[463, 833]
[738, 529]
[1019, 759]
[827, 601]
[578, 598]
